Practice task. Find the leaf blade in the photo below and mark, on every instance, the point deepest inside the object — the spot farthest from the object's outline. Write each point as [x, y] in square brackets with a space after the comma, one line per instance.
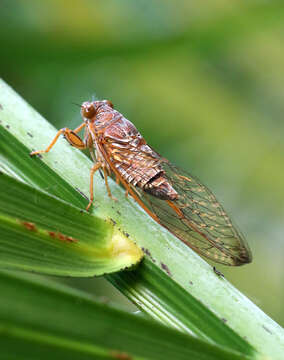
[61, 318]
[53, 237]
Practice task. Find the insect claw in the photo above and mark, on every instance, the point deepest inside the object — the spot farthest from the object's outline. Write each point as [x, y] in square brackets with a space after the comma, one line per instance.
[38, 152]
[33, 153]
[89, 205]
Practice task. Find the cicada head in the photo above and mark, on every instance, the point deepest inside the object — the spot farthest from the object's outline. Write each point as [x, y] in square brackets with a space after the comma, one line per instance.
[89, 109]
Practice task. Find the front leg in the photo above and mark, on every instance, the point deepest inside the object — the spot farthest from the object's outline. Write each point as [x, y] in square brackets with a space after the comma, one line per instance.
[70, 135]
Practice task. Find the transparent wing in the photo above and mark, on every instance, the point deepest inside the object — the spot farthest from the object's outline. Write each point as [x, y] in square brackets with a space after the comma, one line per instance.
[198, 219]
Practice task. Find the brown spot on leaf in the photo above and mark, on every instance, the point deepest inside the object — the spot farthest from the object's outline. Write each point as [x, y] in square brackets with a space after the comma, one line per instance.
[113, 221]
[120, 355]
[266, 329]
[217, 272]
[166, 269]
[29, 225]
[61, 237]
[52, 234]
[147, 252]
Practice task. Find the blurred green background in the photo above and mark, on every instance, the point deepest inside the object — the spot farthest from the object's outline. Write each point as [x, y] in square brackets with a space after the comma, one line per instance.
[202, 81]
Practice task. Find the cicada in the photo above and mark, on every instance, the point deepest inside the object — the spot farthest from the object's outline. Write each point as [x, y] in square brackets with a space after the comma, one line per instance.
[171, 196]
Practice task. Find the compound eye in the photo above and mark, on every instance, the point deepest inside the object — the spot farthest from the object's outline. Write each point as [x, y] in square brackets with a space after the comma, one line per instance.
[88, 110]
[108, 103]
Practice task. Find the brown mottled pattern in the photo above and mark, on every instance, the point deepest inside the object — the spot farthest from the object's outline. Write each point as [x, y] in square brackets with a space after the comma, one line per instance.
[137, 163]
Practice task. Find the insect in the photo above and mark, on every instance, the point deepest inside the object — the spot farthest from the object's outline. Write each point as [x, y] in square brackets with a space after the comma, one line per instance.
[171, 196]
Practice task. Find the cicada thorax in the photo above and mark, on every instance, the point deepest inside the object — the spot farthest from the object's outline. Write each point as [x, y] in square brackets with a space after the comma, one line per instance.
[133, 159]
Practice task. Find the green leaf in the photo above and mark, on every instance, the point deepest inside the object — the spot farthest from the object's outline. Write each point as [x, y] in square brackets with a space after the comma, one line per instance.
[43, 321]
[170, 304]
[39, 232]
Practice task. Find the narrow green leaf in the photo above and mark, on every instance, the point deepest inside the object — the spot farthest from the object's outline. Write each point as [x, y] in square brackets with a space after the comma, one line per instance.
[39, 232]
[170, 304]
[45, 322]
[26, 344]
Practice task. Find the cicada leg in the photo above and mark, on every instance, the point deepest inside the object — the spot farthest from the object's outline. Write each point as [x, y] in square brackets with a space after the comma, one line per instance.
[96, 167]
[70, 135]
[107, 185]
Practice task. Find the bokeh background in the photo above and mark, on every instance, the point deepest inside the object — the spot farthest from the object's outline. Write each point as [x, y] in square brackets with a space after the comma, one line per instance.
[202, 81]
